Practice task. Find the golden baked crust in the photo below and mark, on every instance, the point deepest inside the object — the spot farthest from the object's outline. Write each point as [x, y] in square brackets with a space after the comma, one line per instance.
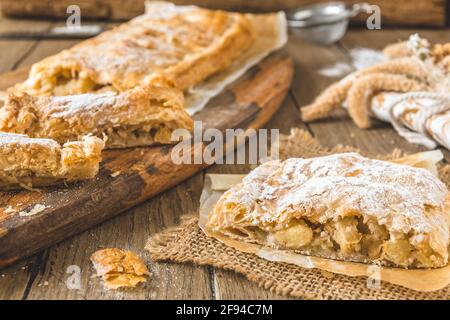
[184, 44]
[27, 162]
[344, 207]
[119, 268]
[142, 116]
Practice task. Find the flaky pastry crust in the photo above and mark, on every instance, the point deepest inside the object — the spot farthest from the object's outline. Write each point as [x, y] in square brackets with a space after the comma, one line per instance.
[27, 162]
[119, 268]
[343, 207]
[142, 116]
[184, 44]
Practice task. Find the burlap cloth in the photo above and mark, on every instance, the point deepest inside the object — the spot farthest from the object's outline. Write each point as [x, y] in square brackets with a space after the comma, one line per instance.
[187, 243]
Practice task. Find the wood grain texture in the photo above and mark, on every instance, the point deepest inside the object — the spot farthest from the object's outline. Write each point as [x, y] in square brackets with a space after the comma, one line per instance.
[130, 229]
[399, 12]
[90, 9]
[143, 172]
[339, 128]
[14, 51]
[228, 285]
[15, 280]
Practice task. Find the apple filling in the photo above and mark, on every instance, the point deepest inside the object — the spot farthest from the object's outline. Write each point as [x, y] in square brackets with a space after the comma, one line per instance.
[32, 162]
[158, 133]
[348, 238]
[67, 82]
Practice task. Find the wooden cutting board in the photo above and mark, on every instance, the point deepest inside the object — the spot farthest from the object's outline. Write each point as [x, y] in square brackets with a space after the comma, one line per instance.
[128, 177]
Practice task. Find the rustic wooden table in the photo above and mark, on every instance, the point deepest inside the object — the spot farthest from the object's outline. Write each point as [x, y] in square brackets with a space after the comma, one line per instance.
[46, 275]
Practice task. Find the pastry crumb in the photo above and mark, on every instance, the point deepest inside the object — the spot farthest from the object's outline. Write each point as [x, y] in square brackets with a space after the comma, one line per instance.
[115, 174]
[119, 268]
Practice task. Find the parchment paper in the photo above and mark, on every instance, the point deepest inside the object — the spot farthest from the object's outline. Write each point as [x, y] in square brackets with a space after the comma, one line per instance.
[271, 35]
[420, 280]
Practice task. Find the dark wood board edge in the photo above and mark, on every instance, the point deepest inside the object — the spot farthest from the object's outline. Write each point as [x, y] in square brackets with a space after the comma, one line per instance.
[90, 203]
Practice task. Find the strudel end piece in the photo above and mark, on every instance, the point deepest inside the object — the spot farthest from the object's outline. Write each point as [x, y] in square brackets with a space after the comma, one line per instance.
[27, 162]
[142, 116]
[185, 44]
[119, 268]
[343, 207]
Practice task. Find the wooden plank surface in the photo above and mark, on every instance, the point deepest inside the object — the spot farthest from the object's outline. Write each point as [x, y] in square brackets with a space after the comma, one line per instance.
[44, 276]
[99, 9]
[339, 129]
[143, 172]
[398, 12]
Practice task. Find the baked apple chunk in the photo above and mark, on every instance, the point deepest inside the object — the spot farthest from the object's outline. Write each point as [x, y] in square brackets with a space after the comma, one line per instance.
[344, 207]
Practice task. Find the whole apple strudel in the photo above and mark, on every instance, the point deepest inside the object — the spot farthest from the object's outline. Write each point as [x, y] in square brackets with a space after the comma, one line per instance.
[27, 162]
[185, 44]
[343, 207]
[142, 116]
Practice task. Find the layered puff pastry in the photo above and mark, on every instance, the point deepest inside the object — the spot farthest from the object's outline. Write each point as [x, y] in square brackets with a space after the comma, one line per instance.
[119, 268]
[343, 207]
[139, 117]
[26, 162]
[185, 44]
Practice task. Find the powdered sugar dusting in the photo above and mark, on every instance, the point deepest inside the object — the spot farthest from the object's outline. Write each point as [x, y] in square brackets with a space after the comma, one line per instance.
[339, 69]
[12, 138]
[74, 104]
[360, 58]
[325, 188]
[35, 210]
[365, 57]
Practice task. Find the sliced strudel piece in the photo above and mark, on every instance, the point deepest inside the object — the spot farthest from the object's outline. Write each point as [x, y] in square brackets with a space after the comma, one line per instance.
[343, 207]
[185, 44]
[27, 162]
[138, 117]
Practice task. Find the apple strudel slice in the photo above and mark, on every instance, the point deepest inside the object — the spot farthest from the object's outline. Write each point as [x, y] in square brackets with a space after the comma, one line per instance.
[139, 117]
[343, 207]
[185, 44]
[28, 162]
